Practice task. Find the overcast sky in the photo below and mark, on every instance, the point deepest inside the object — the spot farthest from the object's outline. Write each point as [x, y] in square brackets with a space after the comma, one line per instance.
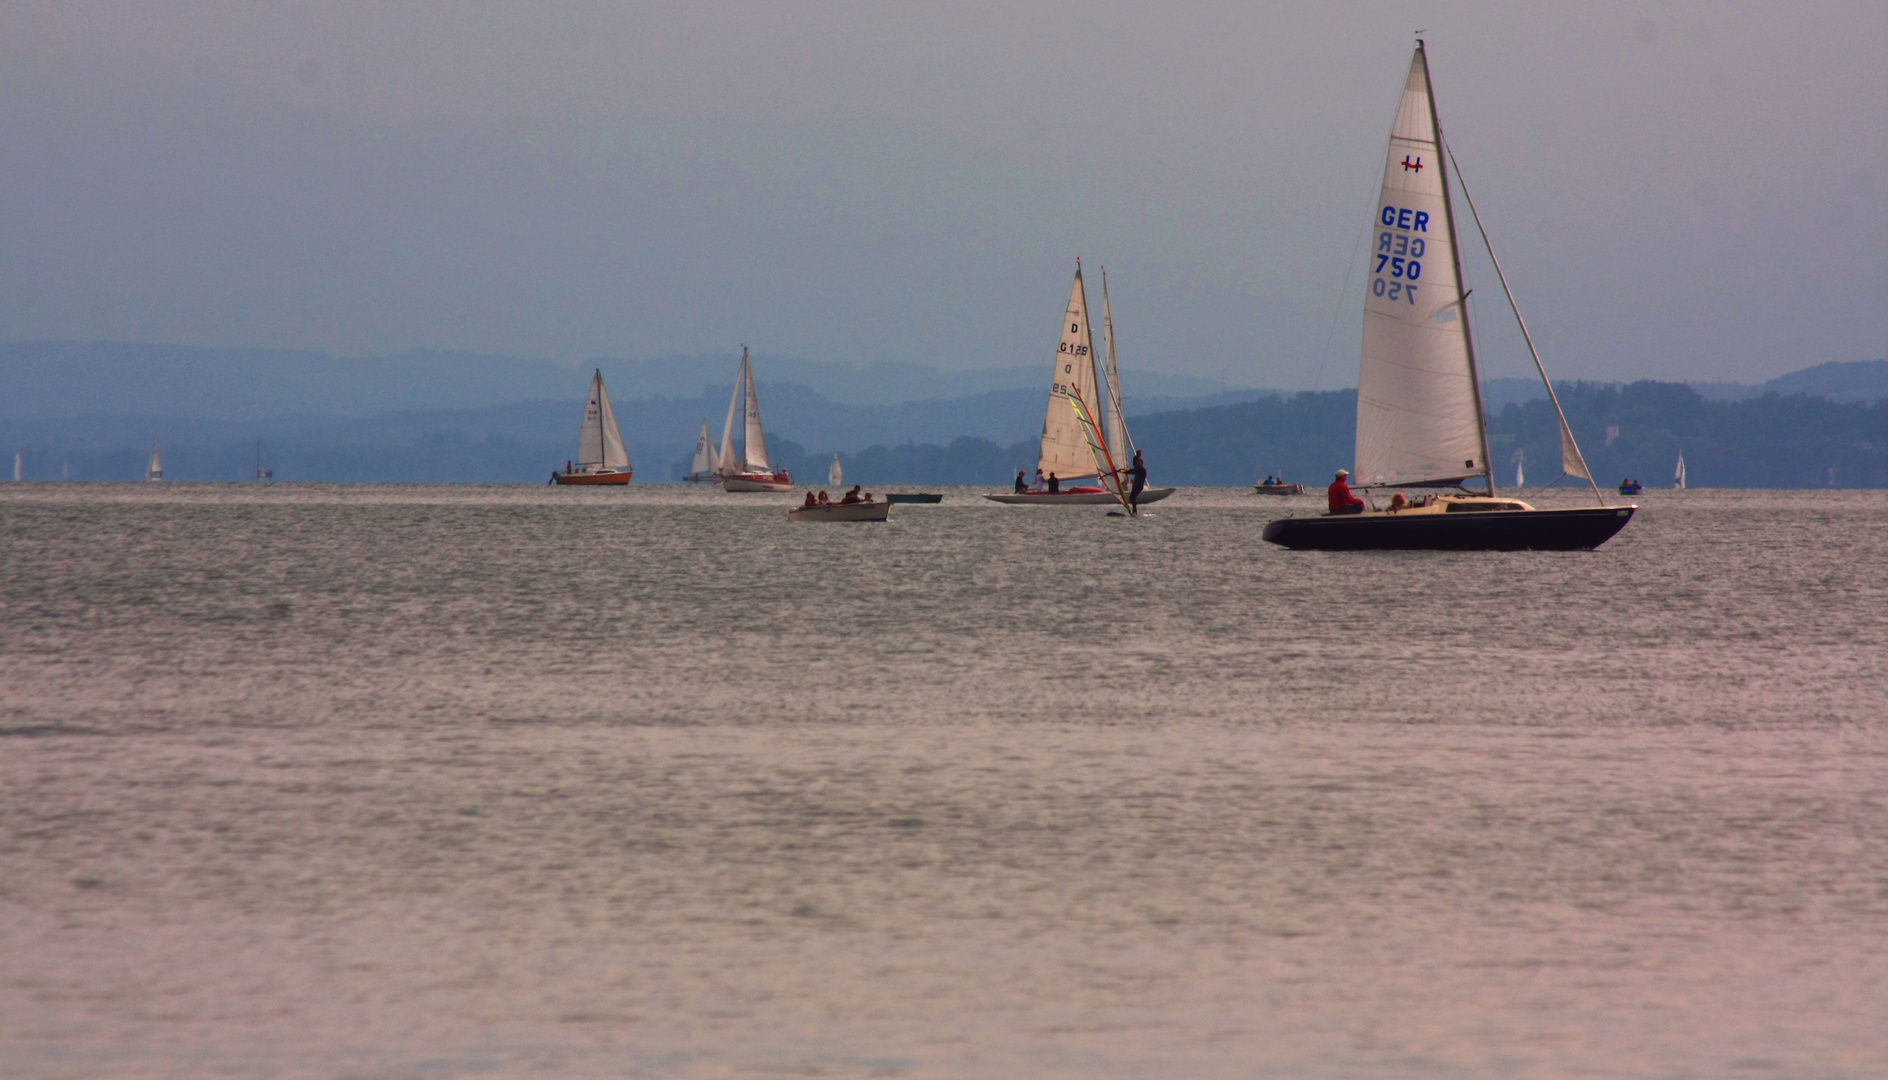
[1677, 190]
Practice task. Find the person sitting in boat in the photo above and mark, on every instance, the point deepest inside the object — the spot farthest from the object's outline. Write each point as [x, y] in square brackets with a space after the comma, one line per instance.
[1055, 484]
[812, 502]
[825, 499]
[867, 498]
[1342, 501]
[1398, 502]
[1041, 484]
[851, 496]
[1021, 485]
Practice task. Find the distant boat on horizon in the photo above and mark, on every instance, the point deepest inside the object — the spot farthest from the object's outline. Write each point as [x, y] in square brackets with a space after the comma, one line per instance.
[1678, 477]
[702, 470]
[750, 471]
[154, 471]
[835, 476]
[601, 458]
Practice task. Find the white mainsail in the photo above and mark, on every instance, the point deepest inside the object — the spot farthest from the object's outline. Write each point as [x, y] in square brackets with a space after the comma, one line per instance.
[600, 443]
[753, 443]
[835, 476]
[1065, 449]
[1419, 416]
[154, 470]
[1678, 478]
[1119, 444]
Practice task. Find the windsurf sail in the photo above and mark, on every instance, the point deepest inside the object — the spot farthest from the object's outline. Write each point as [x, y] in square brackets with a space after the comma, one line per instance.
[1105, 469]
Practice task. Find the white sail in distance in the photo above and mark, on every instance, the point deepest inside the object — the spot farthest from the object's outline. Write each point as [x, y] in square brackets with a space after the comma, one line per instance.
[725, 461]
[753, 443]
[835, 476]
[1520, 468]
[1065, 449]
[1119, 445]
[600, 443]
[1678, 477]
[154, 470]
[705, 457]
[1418, 406]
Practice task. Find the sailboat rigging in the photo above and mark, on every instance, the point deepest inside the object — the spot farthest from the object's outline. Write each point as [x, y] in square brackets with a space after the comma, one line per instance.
[1420, 416]
[601, 457]
[1074, 444]
[749, 471]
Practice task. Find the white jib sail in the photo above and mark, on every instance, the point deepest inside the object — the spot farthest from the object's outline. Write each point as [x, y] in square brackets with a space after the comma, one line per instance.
[154, 470]
[725, 462]
[753, 443]
[600, 443]
[704, 462]
[1678, 477]
[1119, 445]
[1417, 405]
[1065, 450]
[835, 475]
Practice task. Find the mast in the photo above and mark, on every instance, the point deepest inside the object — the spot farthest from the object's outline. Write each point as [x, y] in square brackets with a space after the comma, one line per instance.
[726, 466]
[1119, 444]
[1455, 256]
[1569, 450]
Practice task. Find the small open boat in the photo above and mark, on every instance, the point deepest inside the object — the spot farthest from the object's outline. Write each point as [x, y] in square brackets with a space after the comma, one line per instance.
[1279, 489]
[1630, 487]
[859, 511]
[1078, 496]
[914, 497]
[601, 458]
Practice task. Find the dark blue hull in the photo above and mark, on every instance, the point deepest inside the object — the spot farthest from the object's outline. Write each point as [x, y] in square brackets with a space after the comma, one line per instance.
[1510, 530]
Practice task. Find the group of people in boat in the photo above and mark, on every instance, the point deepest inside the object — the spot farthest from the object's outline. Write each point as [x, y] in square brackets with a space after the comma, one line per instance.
[1344, 501]
[1273, 481]
[822, 499]
[1052, 484]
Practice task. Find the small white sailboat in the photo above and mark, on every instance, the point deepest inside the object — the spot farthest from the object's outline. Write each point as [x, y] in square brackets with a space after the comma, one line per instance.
[601, 457]
[18, 461]
[262, 474]
[1520, 468]
[1074, 445]
[702, 469]
[154, 471]
[749, 471]
[1420, 421]
[835, 476]
[1678, 477]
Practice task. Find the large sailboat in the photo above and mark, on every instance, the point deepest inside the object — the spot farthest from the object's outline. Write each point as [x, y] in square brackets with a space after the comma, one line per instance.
[154, 471]
[1075, 446]
[1420, 421]
[749, 471]
[601, 458]
[703, 469]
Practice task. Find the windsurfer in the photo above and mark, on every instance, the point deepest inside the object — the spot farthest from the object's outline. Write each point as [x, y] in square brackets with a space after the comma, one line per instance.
[1342, 501]
[1138, 471]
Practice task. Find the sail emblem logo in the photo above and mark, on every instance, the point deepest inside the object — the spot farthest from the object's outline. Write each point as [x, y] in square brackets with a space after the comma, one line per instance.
[1412, 166]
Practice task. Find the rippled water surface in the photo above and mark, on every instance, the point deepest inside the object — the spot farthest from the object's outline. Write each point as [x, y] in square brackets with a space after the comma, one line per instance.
[360, 781]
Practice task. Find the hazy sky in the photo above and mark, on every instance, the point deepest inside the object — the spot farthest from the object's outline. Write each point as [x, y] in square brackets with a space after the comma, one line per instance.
[1677, 190]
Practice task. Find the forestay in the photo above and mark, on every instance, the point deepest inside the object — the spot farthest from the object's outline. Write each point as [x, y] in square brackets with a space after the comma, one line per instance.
[1418, 408]
[1065, 449]
[600, 443]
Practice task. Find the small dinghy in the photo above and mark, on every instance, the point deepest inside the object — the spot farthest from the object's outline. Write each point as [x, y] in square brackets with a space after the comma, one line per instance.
[859, 511]
[914, 497]
[1278, 489]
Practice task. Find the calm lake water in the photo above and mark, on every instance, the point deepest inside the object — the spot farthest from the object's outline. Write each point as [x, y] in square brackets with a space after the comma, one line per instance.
[363, 781]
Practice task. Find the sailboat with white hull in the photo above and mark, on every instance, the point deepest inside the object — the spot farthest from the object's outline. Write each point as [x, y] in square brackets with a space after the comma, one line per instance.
[1420, 421]
[1074, 445]
[601, 458]
[749, 471]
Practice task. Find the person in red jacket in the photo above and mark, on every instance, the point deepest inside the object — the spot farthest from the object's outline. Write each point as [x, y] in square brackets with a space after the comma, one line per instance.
[1342, 501]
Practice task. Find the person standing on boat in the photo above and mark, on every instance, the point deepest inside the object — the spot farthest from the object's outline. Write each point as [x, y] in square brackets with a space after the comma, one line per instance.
[1138, 473]
[1342, 501]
